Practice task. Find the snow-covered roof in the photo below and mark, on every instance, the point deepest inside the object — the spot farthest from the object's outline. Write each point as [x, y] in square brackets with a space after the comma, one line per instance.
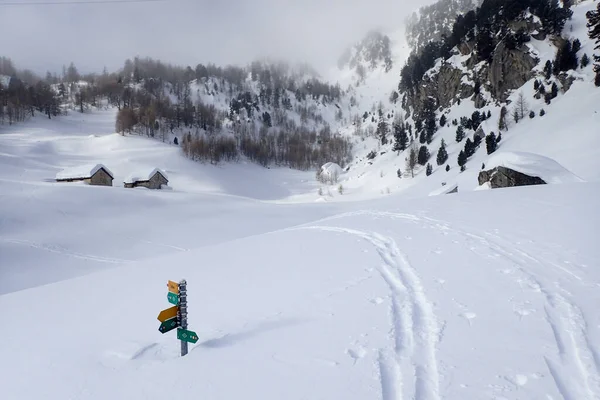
[144, 175]
[82, 172]
[533, 165]
[331, 169]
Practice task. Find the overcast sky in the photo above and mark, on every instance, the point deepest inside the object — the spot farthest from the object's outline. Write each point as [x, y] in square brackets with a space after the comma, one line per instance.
[188, 32]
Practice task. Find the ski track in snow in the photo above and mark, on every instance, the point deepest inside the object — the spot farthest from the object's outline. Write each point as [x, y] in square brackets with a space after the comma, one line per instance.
[415, 330]
[66, 252]
[576, 367]
[565, 318]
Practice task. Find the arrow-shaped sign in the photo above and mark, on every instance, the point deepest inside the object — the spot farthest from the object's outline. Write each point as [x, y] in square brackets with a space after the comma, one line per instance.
[168, 314]
[173, 298]
[168, 325]
[173, 287]
[187, 336]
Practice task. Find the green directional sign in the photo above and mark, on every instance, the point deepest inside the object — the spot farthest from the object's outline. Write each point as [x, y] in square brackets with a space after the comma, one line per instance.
[168, 325]
[187, 336]
[173, 298]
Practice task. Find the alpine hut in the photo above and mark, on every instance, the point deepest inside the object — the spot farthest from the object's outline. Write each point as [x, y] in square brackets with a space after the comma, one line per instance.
[151, 179]
[92, 174]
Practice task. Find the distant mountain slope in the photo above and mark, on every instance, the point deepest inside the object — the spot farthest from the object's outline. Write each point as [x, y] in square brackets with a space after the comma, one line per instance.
[467, 92]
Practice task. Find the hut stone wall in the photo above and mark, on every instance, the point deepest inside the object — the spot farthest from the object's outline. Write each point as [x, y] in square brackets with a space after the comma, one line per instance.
[100, 178]
[156, 181]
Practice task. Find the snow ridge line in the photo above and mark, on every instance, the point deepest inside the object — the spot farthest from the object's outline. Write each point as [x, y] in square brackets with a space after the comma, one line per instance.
[414, 326]
[60, 250]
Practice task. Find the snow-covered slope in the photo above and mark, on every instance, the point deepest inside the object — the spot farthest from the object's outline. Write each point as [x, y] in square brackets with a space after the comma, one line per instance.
[449, 297]
[78, 229]
[367, 290]
[567, 133]
[435, 299]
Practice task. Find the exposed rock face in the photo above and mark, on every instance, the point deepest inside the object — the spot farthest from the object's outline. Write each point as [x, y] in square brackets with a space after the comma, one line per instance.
[465, 48]
[509, 70]
[479, 101]
[446, 86]
[566, 81]
[501, 177]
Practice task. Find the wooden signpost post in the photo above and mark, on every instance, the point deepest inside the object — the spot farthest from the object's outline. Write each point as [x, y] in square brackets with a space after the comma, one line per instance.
[176, 316]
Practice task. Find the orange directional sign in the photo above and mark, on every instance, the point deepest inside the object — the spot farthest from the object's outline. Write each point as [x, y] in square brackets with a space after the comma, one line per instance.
[173, 287]
[168, 314]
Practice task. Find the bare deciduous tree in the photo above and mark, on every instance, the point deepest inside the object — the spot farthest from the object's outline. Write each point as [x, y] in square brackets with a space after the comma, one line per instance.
[411, 160]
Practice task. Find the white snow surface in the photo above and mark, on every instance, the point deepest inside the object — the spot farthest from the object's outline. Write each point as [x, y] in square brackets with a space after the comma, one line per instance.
[378, 293]
[82, 171]
[445, 189]
[449, 297]
[144, 175]
[533, 165]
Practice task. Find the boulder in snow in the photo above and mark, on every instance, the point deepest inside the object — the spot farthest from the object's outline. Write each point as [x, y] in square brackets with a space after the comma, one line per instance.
[508, 169]
[501, 177]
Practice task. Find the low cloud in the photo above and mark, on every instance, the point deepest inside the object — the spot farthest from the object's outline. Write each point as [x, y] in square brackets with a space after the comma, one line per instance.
[187, 32]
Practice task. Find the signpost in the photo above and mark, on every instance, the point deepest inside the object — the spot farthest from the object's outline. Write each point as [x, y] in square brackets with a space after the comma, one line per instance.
[183, 313]
[176, 316]
[188, 336]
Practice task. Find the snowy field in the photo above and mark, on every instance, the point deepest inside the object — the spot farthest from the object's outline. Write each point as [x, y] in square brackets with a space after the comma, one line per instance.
[476, 295]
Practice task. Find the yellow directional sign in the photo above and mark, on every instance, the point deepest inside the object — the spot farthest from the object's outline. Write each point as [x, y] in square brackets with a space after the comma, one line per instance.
[168, 314]
[173, 287]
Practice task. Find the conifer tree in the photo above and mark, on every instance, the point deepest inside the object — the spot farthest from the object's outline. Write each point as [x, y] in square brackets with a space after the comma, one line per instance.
[429, 119]
[490, 143]
[442, 154]
[400, 137]
[469, 148]
[443, 120]
[585, 61]
[428, 169]
[462, 158]
[460, 134]
[548, 70]
[554, 90]
[593, 17]
[423, 155]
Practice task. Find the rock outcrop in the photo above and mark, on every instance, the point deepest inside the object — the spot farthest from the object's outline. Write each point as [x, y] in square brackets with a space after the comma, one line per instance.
[502, 177]
[445, 86]
[509, 69]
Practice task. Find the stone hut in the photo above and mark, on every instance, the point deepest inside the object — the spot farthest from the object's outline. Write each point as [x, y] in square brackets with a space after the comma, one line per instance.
[92, 174]
[153, 179]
